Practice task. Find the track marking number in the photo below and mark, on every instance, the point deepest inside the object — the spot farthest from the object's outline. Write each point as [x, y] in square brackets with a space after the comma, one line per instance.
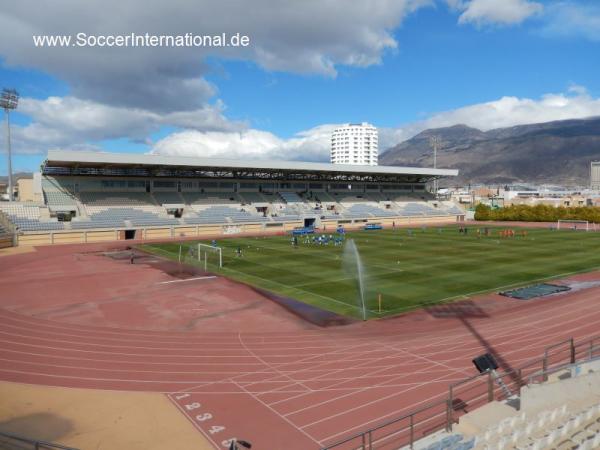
[204, 417]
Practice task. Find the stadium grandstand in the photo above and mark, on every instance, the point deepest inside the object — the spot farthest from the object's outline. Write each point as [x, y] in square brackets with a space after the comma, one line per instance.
[93, 197]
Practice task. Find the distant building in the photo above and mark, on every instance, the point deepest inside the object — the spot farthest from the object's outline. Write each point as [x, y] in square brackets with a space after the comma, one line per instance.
[356, 144]
[595, 175]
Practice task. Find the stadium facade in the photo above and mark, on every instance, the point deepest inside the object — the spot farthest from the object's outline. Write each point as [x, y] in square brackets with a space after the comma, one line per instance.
[94, 196]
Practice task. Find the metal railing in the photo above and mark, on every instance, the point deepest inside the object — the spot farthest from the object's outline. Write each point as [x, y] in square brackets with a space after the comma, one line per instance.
[464, 397]
[395, 433]
[592, 355]
[35, 443]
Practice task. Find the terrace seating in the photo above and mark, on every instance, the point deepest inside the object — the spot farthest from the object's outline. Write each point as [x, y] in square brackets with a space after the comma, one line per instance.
[420, 209]
[354, 199]
[116, 217]
[222, 214]
[376, 197]
[210, 198]
[368, 211]
[55, 199]
[555, 428]
[286, 218]
[253, 197]
[27, 217]
[86, 224]
[114, 199]
[404, 197]
[451, 442]
[168, 198]
[324, 197]
[290, 197]
[452, 208]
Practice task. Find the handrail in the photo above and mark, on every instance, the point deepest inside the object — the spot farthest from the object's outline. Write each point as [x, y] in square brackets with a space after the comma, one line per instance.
[38, 444]
[366, 437]
[544, 373]
[369, 432]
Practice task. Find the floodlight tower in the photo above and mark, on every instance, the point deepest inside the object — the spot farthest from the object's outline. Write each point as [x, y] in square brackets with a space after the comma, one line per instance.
[435, 143]
[9, 99]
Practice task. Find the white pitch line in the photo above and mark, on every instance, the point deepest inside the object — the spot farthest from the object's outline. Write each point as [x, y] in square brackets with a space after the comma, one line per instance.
[188, 279]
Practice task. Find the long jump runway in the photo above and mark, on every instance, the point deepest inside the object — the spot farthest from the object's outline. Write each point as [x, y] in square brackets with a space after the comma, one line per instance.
[237, 365]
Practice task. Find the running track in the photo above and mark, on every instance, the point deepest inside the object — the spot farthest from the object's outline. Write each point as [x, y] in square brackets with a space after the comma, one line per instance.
[297, 389]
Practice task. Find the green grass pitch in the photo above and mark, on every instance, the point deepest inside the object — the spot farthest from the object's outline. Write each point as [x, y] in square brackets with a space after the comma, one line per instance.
[433, 265]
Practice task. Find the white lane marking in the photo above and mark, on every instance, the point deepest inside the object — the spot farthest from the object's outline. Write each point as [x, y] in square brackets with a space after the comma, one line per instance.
[188, 279]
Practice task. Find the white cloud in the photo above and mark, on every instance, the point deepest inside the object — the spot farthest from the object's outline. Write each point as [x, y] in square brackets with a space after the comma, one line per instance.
[511, 111]
[70, 122]
[495, 12]
[310, 36]
[309, 145]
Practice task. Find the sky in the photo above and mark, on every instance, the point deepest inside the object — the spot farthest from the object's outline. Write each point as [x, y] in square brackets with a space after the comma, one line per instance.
[308, 66]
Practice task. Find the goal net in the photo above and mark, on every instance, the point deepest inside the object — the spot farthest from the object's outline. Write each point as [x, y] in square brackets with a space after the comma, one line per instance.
[210, 255]
[582, 225]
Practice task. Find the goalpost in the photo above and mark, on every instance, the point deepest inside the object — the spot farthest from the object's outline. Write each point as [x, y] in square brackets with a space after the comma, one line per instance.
[210, 254]
[573, 225]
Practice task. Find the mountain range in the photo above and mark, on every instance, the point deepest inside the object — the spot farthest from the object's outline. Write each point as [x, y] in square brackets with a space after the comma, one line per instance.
[556, 152]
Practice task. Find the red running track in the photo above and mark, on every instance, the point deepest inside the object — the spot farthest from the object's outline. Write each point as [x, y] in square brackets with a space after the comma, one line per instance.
[278, 384]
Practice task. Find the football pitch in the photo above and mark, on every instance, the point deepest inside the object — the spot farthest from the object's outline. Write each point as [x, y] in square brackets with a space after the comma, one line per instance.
[407, 269]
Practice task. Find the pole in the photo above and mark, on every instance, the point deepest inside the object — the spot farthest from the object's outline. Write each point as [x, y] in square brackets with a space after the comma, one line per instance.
[8, 148]
[435, 190]
[379, 300]
[501, 383]
[435, 142]
[179, 254]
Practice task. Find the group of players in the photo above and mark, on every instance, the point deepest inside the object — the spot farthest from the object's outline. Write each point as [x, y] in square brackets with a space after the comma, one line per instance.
[511, 233]
[340, 236]
[320, 239]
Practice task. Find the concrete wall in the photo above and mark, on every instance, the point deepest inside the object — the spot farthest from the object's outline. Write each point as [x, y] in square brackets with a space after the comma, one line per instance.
[6, 242]
[25, 186]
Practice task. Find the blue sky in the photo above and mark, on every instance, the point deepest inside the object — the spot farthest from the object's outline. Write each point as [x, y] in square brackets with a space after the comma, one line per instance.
[415, 64]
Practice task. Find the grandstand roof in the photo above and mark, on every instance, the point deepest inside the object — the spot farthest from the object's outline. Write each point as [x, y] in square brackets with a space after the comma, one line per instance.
[128, 164]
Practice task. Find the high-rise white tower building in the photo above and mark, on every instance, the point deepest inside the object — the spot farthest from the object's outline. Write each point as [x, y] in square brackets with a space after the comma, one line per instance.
[355, 143]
